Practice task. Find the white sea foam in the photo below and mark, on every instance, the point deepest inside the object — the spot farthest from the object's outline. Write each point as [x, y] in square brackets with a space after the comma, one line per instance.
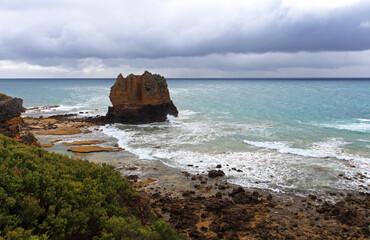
[124, 138]
[271, 170]
[195, 139]
[363, 120]
[361, 125]
[171, 119]
[331, 148]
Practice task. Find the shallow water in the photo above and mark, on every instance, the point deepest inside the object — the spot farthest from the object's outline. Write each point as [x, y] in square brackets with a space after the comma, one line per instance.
[284, 135]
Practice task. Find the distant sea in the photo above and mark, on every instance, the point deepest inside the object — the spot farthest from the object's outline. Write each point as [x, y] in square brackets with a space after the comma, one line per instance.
[300, 135]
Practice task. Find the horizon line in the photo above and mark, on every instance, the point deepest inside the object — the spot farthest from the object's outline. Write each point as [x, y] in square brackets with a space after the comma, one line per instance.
[201, 78]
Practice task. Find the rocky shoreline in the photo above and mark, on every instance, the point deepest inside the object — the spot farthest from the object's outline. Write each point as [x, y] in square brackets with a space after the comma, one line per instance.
[200, 206]
[211, 208]
[207, 207]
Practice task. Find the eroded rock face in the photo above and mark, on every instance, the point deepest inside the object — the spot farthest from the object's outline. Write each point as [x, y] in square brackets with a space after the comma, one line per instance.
[12, 127]
[140, 99]
[11, 121]
[10, 116]
[10, 107]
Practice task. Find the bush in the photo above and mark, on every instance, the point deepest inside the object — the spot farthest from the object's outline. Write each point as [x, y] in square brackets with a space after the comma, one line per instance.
[47, 195]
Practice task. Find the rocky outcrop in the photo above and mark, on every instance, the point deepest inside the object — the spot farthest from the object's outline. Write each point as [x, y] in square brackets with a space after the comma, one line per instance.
[12, 127]
[140, 99]
[10, 116]
[11, 121]
[10, 107]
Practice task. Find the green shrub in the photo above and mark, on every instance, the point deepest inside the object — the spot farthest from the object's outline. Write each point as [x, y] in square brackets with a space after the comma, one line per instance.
[46, 195]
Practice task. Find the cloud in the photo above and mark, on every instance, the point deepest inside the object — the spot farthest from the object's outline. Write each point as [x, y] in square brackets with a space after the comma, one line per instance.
[365, 24]
[301, 64]
[258, 35]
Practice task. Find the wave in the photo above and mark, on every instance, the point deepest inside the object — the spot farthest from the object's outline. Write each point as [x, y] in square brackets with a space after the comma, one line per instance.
[55, 108]
[359, 125]
[363, 120]
[263, 169]
[124, 138]
[328, 149]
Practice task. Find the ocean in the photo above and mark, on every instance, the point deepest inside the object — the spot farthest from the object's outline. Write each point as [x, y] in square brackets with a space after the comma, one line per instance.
[286, 135]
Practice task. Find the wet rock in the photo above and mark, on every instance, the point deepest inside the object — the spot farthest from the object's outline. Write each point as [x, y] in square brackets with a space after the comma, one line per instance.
[132, 178]
[219, 166]
[312, 197]
[183, 216]
[239, 195]
[88, 149]
[186, 173]
[216, 205]
[196, 235]
[87, 142]
[215, 173]
[47, 145]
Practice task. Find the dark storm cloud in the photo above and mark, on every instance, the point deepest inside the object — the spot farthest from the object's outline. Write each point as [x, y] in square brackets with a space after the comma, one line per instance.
[72, 30]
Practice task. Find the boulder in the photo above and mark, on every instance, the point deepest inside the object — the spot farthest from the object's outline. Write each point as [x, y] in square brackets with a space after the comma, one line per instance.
[140, 99]
[215, 173]
[10, 116]
[10, 107]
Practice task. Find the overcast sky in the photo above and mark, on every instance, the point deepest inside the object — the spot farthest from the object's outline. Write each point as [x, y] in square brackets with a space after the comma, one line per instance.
[185, 38]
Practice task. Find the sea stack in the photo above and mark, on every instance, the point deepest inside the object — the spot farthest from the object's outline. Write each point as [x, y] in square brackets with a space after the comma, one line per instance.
[10, 116]
[140, 99]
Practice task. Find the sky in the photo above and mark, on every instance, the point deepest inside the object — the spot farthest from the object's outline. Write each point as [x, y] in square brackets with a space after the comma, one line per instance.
[184, 38]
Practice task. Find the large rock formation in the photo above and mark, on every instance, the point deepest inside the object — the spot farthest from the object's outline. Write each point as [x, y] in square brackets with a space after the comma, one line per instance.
[10, 107]
[11, 121]
[10, 116]
[140, 99]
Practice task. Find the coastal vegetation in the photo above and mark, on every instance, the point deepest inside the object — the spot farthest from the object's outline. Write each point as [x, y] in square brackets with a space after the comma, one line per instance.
[46, 195]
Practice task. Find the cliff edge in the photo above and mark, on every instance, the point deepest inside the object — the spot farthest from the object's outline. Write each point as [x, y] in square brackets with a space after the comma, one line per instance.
[140, 99]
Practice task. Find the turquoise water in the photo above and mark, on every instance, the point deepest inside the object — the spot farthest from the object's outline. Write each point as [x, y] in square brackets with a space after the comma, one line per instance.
[285, 135]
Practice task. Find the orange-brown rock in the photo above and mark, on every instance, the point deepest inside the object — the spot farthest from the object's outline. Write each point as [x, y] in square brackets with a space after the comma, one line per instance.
[61, 128]
[61, 131]
[87, 142]
[11, 121]
[88, 149]
[12, 127]
[47, 145]
[79, 155]
[137, 91]
[10, 116]
[140, 99]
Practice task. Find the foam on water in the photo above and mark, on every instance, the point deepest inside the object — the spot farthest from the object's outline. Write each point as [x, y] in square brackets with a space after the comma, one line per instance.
[272, 170]
[124, 138]
[331, 148]
[358, 125]
[299, 135]
[182, 144]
